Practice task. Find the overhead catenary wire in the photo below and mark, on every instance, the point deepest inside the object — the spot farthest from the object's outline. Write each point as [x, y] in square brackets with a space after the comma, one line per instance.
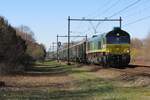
[136, 21]
[78, 26]
[140, 11]
[106, 10]
[127, 7]
[97, 10]
[93, 27]
[106, 3]
[113, 4]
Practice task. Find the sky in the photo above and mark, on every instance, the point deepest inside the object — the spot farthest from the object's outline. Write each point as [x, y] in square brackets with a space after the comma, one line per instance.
[47, 18]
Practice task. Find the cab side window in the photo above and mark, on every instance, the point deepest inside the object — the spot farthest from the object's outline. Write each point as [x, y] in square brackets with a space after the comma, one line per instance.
[99, 44]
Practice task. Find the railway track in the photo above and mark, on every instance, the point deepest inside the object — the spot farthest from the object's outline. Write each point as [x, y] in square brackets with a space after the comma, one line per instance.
[130, 70]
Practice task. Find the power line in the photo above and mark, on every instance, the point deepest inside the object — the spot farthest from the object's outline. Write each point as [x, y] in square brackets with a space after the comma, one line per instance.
[98, 9]
[106, 3]
[111, 6]
[114, 4]
[125, 8]
[138, 12]
[93, 27]
[136, 21]
[130, 5]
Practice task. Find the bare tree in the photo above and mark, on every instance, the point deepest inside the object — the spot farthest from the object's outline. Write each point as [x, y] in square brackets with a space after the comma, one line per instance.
[26, 33]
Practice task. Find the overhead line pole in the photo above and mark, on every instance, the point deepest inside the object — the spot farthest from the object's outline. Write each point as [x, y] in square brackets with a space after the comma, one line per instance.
[68, 40]
[57, 49]
[120, 22]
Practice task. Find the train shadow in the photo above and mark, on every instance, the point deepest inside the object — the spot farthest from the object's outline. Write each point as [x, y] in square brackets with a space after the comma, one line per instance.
[55, 70]
[135, 65]
[63, 70]
[47, 71]
[131, 66]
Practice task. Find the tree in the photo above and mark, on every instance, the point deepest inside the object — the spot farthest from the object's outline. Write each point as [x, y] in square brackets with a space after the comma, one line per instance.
[136, 43]
[147, 47]
[12, 48]
[34, 50]
[26, 33]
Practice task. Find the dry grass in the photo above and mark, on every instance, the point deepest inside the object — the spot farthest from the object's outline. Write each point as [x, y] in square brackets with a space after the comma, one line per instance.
[53, 81]
[32, 81]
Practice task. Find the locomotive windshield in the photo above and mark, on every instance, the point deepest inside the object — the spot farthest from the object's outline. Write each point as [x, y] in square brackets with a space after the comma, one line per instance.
[118, 40]
[117, 36]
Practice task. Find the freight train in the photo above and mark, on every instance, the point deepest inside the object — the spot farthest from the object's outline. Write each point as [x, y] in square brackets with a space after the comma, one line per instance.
[108, 49]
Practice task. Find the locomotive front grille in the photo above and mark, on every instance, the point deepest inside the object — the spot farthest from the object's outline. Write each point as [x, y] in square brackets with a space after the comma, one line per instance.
[118, 48]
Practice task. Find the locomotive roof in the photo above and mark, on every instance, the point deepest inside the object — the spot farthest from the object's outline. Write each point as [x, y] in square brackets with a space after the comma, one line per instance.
[115, 30]
[97, 37]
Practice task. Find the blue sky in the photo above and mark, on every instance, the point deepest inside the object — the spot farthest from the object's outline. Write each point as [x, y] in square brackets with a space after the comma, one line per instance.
[47, 18]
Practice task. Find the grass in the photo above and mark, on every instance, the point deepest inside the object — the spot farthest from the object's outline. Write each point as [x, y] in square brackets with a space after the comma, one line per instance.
[83, 85]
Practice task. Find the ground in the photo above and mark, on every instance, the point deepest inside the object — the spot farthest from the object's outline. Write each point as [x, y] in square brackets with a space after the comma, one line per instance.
[58, 81]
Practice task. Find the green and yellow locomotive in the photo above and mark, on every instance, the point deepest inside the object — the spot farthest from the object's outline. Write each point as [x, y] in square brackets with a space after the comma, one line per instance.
[108, 49]
[112, 48]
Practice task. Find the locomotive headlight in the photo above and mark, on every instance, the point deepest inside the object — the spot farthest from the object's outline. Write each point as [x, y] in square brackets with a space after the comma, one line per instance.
[118, 34]
[128, 51]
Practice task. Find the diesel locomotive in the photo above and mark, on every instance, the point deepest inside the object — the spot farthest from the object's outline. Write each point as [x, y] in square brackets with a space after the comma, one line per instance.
[108, 49]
